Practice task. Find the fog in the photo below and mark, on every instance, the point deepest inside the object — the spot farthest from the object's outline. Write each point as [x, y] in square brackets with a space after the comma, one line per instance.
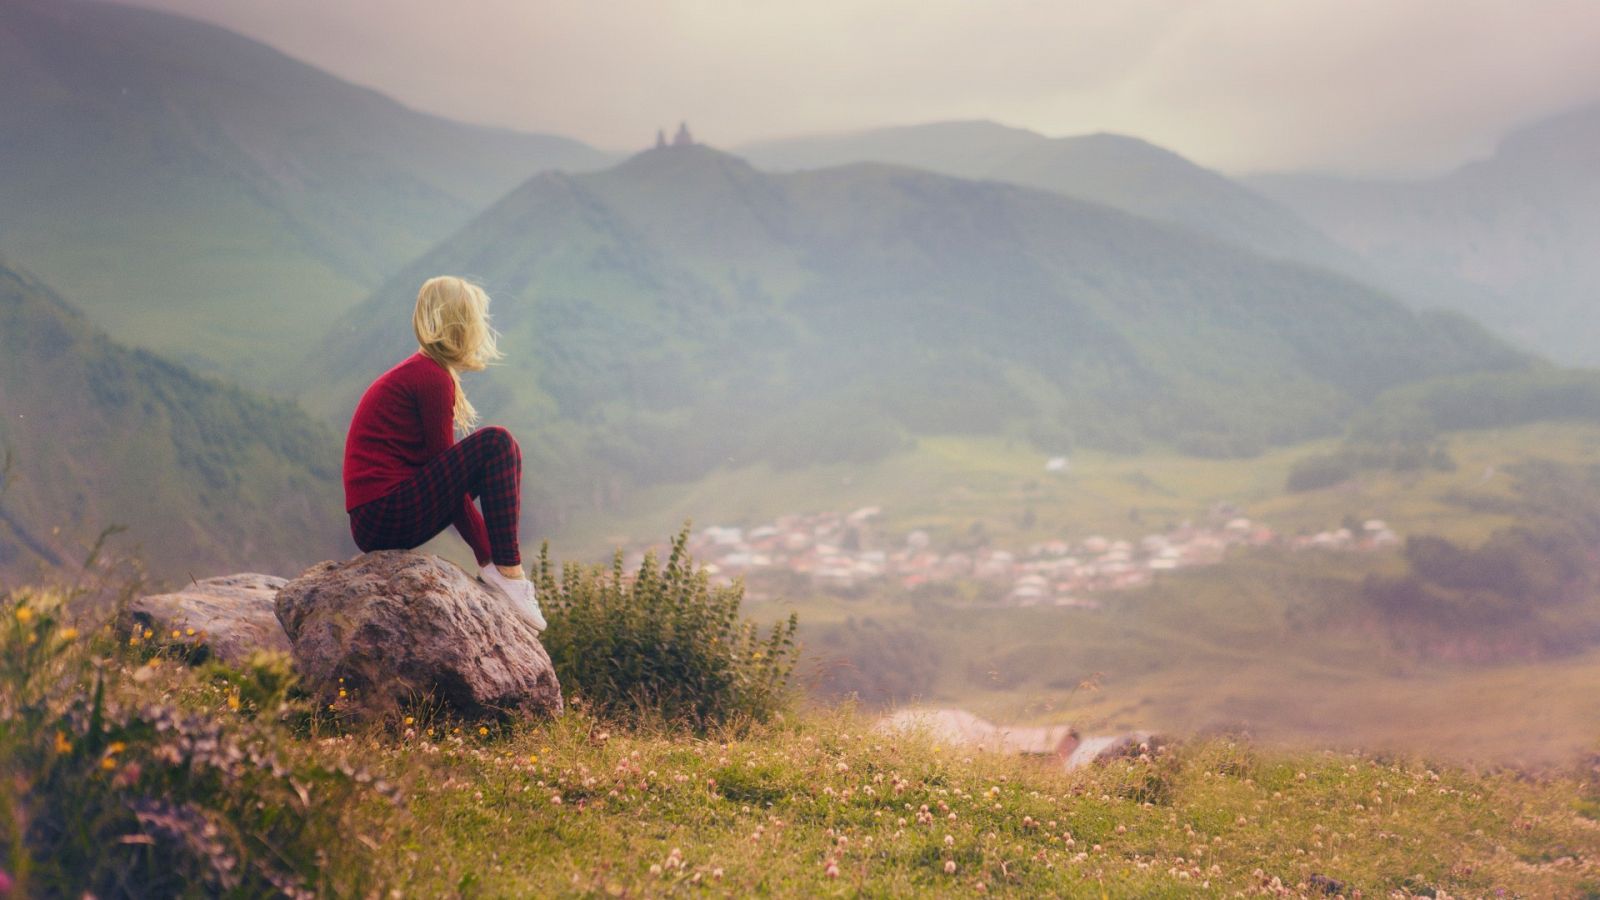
[1241, 85]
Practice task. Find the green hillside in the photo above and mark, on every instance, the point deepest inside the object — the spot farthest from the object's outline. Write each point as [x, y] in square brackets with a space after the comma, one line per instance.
[206, 478]
[206, 196]
[684, 311]
[1118, 171]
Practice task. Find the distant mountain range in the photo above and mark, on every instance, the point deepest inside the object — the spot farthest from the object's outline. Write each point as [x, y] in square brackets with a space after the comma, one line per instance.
[685, 310]
[204, 195]
[201, 474]
[1118, 171]
[1513, 240]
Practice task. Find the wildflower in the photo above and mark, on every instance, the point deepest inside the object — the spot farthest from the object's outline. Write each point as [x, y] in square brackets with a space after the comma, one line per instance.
[189, 632]
[717, 872]
[69, 634]
[832, 869]
[980, 887]
[555, 799]
[148, 634]
[176, 634]
[233, 702]
[483, 731]
[533, 759]
[63, 745]
[115, 747]
[24, 614]
[411, 720]
[655, 868]
[949, 867]
[343, 693]
[108, 763]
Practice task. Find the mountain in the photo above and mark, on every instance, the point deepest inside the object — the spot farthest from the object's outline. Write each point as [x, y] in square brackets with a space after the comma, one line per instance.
[1123, 172]
[1510, 239]
[684, 310]
[207, 196]
[204, 476]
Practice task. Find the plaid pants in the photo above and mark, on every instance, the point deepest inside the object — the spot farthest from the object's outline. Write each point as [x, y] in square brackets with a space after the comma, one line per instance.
[486, 464]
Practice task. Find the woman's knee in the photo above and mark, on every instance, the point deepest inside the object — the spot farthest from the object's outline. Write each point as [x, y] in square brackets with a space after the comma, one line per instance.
[500, 440]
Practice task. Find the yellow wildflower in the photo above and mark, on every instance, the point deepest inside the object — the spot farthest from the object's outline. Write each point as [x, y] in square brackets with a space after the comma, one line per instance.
[233, 702]
[483, 731]
[343, 692]
[69, 634]
[62, 744]
[189, 632]
[148, 634]
[24, 614]
[108, 764]
[411, 720]
[176, 634]
[115, 748]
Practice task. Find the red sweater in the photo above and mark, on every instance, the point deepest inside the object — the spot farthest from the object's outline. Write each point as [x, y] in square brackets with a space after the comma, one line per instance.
[405, 419]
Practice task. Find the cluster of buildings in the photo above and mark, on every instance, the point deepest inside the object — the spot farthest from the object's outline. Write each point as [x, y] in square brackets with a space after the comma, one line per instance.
[846, 551]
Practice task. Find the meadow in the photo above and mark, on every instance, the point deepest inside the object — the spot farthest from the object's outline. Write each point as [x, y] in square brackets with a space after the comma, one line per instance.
[811, 803]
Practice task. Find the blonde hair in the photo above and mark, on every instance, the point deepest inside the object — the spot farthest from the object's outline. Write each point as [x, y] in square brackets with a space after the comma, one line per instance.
[452, 326]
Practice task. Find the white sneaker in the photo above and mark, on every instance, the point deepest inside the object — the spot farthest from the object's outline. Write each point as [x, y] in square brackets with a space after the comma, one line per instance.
[519, 591]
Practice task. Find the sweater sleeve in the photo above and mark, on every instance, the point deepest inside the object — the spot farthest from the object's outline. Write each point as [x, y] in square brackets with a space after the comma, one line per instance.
[438, 403]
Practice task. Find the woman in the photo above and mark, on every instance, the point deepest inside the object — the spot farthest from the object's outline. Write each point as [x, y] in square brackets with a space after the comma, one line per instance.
[405, 476]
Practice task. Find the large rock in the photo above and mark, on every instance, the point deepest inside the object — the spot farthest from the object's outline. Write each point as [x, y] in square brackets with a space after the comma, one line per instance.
[400, 626]
[232, 616]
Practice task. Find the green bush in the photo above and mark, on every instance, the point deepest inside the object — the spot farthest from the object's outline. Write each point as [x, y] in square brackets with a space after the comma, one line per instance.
[101, 800]
[1319, 470]
[665, 642]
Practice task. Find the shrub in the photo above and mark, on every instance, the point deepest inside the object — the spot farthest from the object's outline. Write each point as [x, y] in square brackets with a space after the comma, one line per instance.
[665, 642]
[155, 801]
[1319, 470]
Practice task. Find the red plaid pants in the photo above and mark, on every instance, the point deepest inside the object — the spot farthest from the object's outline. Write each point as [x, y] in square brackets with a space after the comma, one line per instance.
[486, 465]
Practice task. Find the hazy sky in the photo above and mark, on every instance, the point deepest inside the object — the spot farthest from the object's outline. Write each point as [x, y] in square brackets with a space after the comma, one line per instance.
[1373, 86]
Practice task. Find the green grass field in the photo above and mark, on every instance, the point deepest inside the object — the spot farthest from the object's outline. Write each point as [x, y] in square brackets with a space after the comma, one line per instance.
[821, 804]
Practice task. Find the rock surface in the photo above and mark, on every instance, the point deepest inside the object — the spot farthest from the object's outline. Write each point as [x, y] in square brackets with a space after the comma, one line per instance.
[963, 729]
[233, 616]
[400, 627]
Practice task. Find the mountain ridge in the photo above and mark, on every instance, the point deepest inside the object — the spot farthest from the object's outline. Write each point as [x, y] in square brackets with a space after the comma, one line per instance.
[191, 187]
[1508, 239]
[99, 434]
[875, 303]
[1116, 170]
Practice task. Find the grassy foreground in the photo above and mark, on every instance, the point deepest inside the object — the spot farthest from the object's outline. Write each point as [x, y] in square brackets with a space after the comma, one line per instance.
[818, 803]
[823, 805]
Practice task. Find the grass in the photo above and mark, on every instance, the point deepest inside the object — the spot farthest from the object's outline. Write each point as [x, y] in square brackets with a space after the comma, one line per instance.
[821, 804]
[816, 802]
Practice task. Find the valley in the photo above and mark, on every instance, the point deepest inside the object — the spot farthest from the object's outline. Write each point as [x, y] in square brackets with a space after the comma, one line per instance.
[1275, 640]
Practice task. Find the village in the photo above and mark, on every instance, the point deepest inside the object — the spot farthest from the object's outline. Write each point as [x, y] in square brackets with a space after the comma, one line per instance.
[848, 552]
